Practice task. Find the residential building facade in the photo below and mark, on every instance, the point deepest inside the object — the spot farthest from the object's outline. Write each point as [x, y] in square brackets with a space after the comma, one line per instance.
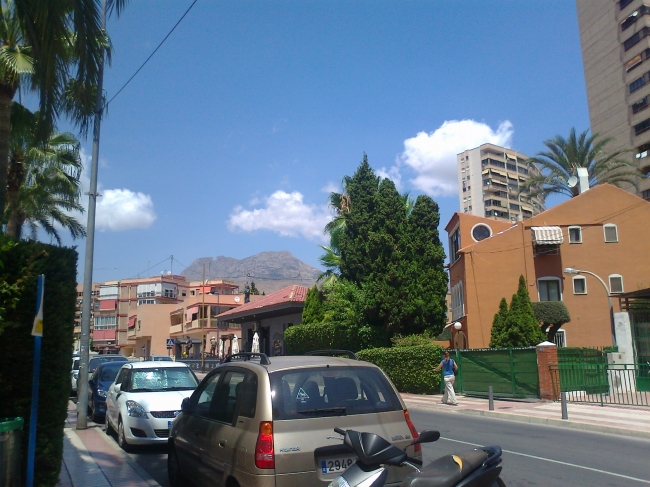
[604, 230]
[615, 39]
[489, 177]
[79, 311]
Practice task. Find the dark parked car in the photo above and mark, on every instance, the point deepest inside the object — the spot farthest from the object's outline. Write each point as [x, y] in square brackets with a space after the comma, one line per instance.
[95, 361]
[98, 385]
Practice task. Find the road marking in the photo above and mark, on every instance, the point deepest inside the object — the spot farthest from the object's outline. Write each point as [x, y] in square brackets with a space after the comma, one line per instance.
[555, 461]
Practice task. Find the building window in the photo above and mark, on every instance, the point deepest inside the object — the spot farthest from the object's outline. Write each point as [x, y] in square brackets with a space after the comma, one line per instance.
[523, 170]
[636, 38]
[623, 3]
[633, 63]
[457, 301]
[560, 338]
[641, 127]
[637, 83]
[549, 289]
[511, 167]
[481, 231]
[640, 105]
[611, 233]
[514, 206]
[615, 284]
[192, 293]
[646, 194]
[575, 235]
[642, 151]
[454, 245]
[579, 285]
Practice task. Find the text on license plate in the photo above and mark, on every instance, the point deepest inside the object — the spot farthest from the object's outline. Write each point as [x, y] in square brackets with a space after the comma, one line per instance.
[169, 424]
[335, 465]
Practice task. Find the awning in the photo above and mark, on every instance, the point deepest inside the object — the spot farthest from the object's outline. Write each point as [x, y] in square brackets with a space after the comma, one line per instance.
[502, 173]
[107, 304]
[132, 321]
[547, 235]
[485, 171]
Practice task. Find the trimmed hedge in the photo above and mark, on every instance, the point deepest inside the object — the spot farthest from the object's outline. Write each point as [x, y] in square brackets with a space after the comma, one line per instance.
[301, 339]
[551, 312]
[17, 345]
[410, 368]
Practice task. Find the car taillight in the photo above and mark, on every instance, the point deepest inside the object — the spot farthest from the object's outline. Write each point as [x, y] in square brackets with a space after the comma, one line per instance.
[264, 454]
[414, 432]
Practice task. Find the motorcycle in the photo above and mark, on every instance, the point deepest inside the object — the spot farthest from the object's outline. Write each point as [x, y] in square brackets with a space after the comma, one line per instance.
[479, 467]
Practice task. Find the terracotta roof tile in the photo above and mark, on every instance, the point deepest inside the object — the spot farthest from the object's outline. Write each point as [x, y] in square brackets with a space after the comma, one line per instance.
[289, 294]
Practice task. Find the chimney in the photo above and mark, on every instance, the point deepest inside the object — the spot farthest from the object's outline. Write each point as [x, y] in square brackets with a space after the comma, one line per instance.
[583, 179]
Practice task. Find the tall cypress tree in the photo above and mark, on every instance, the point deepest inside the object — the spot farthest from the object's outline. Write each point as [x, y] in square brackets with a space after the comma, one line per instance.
[499, 325]
[356, 263]
[521, 328]
[314, 311]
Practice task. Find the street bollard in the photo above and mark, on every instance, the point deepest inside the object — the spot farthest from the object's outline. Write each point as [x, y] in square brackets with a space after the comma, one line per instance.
[491, 398]
[565, 412]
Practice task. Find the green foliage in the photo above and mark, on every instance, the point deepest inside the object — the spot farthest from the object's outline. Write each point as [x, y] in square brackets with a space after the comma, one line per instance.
[521, 329]
[412, 340]
[16, 349]
[391, 257]
[499, 324]
[313, 312]
[551, 312]
[411, 369]
[254, 289]
[344, 303]
[301, 339]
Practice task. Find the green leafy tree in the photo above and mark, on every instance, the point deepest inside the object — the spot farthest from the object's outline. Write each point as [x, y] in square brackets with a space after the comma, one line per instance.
[43, 184]
[313, 312]
[521, 327]
[564, 156]
[552, 315]
[55, 49]
[499, 325]
[344, 303]
[254, 289]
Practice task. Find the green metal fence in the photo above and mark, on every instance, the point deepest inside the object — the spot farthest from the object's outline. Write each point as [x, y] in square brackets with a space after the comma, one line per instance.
[602, 383]
[512, 372]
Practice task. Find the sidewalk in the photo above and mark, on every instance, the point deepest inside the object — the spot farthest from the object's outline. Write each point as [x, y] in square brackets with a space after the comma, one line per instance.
[93, 459]
[619, 420]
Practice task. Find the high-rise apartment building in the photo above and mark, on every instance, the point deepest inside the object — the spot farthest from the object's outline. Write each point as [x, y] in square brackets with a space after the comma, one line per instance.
[488, 183]
[615, 38]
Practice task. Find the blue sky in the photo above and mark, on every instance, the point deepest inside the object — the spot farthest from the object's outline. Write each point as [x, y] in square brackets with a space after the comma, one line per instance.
[229, 139]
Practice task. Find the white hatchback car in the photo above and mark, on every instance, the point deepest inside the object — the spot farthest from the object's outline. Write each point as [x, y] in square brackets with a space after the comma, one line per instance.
[144, 400]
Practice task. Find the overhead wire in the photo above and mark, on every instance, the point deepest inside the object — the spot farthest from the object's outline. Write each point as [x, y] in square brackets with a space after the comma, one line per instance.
[151, 55]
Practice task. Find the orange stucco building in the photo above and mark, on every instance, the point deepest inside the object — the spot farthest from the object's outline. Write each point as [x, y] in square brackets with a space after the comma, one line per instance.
[604, 230]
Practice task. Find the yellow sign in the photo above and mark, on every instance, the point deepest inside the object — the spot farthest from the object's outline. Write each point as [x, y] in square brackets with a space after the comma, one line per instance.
[37, 329]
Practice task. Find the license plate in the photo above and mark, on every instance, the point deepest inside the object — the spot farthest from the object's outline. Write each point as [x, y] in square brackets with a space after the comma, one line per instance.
[336, 465]
[169, 424]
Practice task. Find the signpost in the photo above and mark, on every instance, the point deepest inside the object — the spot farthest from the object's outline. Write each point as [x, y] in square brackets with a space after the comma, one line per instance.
[170, 344]
[37, 333]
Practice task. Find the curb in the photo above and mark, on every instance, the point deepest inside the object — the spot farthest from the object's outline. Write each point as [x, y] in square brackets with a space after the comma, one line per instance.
[520, 418]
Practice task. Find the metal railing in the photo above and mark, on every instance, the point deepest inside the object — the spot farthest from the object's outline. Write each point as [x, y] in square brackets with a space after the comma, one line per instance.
[195, 364]
[623, 384]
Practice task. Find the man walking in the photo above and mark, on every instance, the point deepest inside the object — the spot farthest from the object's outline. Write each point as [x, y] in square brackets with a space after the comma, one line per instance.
[448, 365]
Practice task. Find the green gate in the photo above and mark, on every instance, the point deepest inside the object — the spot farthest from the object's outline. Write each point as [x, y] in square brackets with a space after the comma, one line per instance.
[512, 372]
[583, 369]
[640, 321]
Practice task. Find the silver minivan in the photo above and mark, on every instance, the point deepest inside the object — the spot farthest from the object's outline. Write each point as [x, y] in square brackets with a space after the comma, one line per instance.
[260, 422]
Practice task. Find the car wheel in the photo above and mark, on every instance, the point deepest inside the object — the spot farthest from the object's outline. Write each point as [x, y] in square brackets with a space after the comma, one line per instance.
[121, 439]
[174, 468]
[109, 428]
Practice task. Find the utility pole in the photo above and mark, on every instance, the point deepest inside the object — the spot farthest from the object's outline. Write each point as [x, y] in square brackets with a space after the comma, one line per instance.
[82, 381]
[172, 264]
[203, 320]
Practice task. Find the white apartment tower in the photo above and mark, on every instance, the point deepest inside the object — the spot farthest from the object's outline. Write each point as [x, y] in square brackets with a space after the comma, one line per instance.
[488, 183]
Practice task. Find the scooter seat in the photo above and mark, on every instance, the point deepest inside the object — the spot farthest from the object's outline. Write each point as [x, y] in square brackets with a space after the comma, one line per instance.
[446, 471]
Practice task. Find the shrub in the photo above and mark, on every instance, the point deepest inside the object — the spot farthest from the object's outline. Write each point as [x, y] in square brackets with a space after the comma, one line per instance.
[17, 345]
[410, 368]
[301, 339]
[411, 340]
[551, 312]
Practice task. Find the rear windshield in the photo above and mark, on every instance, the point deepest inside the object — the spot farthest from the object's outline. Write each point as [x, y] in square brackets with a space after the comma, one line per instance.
[320, 392]
[75, 364]
[108, 372]
[92, 365]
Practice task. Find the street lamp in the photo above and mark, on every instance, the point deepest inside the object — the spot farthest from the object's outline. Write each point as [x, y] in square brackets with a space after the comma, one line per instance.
[570, 270]
[458, 325]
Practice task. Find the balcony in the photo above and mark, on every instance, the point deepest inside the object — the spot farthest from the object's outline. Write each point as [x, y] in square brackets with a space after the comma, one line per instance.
[175, 329]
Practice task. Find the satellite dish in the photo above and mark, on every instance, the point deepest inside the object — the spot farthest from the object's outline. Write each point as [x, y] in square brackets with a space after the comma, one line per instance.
[572, 181]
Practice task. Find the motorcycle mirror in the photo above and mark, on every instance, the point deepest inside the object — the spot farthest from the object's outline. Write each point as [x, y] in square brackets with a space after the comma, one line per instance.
[427, 436]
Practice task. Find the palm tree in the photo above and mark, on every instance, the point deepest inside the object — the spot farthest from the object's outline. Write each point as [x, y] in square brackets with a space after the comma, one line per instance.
[54, 48]
[43, 179]
[564, 156]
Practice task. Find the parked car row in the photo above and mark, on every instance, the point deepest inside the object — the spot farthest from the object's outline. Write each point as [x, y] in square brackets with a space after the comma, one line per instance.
[252, 421]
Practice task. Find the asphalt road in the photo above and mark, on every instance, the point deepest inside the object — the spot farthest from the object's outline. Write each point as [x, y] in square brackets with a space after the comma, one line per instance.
[533, 455]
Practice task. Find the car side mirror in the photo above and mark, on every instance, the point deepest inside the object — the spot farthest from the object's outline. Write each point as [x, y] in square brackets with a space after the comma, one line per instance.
[186, 407]
[117, 388]
[427, 436]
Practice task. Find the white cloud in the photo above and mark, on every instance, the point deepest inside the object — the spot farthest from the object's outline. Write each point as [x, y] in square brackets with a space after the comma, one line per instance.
[117, 209]
[283, 213]
[123, 209]
[432, 156]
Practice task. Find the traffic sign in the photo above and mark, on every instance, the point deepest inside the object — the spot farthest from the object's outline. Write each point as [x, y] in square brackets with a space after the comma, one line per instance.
[170, 342]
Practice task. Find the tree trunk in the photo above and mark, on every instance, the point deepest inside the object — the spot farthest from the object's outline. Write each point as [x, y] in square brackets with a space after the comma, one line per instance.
[15, 179]
[5, 129]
